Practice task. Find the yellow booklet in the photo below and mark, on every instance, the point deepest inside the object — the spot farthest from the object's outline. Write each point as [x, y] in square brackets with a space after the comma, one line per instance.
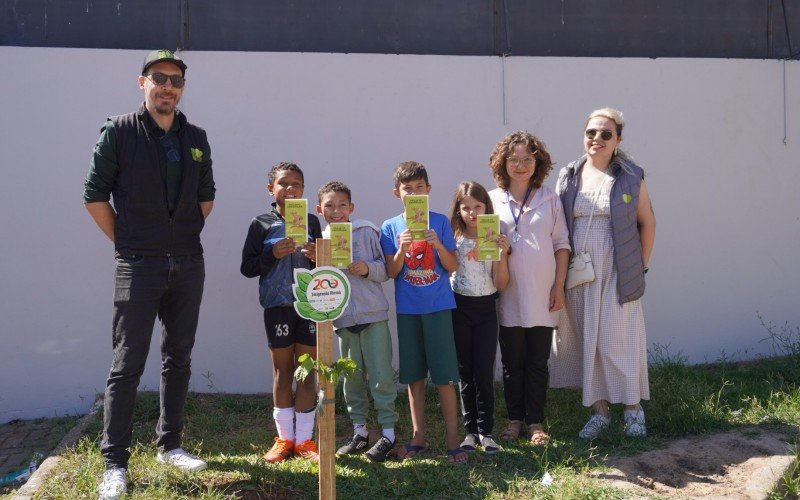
[341, 234]
[488, 232]
[296, 216]
[417, 215]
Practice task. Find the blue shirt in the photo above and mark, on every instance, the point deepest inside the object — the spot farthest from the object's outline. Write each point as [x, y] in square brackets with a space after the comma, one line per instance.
[423, 285]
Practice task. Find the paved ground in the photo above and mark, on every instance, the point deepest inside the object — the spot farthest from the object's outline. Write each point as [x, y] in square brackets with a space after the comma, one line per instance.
[21, 439]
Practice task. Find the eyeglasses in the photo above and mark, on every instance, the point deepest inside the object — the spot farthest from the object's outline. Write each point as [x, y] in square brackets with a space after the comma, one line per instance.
[605, 134]
[515, 161]
[161, 79]
[169, 147]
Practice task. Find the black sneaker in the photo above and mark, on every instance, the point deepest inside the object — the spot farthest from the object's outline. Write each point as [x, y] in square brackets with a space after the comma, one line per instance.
[380, 449]
[357, 444]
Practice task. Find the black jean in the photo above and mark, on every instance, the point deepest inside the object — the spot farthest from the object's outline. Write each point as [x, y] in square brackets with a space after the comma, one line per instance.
[475, 330]
[525, 352]
[171, 289]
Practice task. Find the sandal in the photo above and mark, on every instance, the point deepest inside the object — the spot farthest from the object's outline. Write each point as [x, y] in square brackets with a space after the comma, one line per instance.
[538, 435]
[454, 453]
[512, 430]
[470, 443]
[413, 451]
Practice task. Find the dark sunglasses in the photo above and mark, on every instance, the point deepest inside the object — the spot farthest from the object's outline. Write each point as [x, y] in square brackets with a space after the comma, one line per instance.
[161, 79]
[605, 134]
[169, 146]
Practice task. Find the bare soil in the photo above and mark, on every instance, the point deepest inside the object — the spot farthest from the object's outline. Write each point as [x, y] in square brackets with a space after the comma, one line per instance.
[742, 464]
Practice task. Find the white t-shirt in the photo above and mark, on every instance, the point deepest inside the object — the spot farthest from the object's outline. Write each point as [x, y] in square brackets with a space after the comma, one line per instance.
[473, 278]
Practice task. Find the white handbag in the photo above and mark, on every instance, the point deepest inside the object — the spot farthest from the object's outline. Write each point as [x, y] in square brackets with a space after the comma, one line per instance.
[581, 270]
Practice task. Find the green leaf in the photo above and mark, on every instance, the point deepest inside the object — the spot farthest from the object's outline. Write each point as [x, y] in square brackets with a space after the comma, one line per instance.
[318, 316]
[305, 367]
[303, 279]
[331, 373]
[345, 365]
[305, 310]
[334, 313]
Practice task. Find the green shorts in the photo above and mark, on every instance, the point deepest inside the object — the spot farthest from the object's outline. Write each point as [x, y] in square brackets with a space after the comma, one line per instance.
[426, 343]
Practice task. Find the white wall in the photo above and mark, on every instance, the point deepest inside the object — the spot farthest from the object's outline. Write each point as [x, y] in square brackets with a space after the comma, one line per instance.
[708, 132]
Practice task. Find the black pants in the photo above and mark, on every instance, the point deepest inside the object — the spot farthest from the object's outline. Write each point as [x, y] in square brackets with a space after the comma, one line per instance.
[475, 330]
[171, 289]
[525, 352]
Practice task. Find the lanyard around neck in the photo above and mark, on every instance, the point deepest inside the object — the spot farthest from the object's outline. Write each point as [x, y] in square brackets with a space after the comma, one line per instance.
[516, 217]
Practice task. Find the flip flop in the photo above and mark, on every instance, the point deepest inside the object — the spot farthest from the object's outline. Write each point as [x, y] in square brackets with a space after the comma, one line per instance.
[414, 449]
[452, 454]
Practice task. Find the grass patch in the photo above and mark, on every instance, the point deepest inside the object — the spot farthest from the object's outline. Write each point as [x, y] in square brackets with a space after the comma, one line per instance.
[232, 432]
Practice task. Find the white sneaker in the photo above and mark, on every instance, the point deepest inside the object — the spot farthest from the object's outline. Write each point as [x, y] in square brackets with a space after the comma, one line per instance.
[182, 460]
[594, 427]
[634, 423]
[114, 484]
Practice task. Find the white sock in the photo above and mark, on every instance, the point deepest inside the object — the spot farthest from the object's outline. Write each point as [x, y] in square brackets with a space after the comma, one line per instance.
[389, 433]
[361, 430]
[305, 425]
[284, 421]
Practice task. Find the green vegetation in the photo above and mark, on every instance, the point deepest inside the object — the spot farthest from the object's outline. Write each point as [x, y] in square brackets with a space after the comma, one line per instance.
[232, 432]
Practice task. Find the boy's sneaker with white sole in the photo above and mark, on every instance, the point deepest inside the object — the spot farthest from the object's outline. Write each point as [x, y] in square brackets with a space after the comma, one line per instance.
[114, 484]
[182, 460]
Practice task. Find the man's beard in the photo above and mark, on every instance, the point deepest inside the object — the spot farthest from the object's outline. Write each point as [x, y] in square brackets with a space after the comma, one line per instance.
[166, 108]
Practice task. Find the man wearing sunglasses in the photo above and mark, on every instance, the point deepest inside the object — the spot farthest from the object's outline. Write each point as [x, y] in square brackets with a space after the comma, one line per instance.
[157, 168]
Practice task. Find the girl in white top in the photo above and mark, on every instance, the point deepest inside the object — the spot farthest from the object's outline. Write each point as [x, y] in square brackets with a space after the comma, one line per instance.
[475, 284]
[532, 217]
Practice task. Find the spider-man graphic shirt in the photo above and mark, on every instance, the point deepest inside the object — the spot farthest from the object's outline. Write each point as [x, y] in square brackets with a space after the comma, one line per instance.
[423, 285]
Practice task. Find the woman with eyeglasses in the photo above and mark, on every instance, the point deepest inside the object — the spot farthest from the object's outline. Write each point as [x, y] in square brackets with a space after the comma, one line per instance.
[601, 344]
[532, 219]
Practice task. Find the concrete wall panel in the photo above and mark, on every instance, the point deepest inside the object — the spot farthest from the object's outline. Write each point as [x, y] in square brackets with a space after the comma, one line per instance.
[710, 134]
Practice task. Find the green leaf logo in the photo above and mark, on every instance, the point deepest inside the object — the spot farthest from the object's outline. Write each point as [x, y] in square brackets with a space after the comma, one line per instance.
[197, 154]
[304, 308]
[320, 294]
[627, 198]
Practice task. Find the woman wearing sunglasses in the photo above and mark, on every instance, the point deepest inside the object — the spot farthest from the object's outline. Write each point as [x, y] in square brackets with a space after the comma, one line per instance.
[601, 344]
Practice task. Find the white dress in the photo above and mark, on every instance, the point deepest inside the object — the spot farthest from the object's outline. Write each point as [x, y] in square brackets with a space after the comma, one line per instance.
[600, 345]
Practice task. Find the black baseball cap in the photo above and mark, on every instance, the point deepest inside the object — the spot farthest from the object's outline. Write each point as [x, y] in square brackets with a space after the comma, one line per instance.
[157, 56]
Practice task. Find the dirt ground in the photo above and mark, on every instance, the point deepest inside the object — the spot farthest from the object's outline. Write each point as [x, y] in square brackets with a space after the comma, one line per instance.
[742, 464]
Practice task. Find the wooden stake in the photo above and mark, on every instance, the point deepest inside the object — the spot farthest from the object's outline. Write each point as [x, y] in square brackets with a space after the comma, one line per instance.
[326, 417]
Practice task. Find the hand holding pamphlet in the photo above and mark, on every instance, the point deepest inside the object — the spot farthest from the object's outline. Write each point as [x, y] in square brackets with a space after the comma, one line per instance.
[417, 215]
[296, 216]
[341, 234]
[488, 235]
